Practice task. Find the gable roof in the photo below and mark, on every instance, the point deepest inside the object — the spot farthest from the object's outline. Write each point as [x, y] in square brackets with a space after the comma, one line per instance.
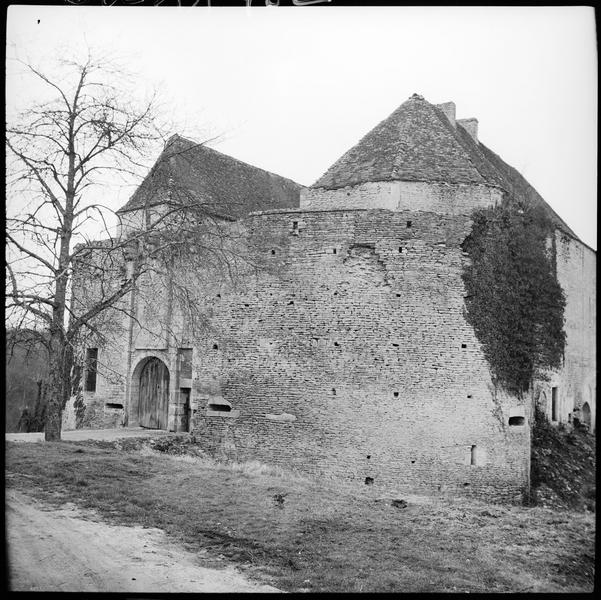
[187, 173]
[417, 142]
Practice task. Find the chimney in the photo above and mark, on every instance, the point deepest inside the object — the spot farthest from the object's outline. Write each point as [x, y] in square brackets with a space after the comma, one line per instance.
[471, 126]
[448, 108]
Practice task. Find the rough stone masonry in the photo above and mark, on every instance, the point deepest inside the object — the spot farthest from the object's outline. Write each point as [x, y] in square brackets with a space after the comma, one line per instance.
[342, 348]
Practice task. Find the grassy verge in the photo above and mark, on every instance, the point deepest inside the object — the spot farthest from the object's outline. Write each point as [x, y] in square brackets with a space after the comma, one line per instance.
[313, 535]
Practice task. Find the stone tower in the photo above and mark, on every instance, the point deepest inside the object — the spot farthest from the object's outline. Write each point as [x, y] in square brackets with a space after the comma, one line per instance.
[344, 349]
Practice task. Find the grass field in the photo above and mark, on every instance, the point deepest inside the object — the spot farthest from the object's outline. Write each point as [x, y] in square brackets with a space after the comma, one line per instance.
[309, 535]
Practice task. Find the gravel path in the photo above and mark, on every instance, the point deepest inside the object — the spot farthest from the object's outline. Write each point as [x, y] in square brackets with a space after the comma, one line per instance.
[68, 550]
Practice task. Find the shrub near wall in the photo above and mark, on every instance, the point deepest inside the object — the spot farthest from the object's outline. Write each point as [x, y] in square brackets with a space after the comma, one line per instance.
[514, 301]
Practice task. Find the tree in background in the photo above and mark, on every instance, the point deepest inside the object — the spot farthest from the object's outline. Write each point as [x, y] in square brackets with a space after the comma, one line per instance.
[26, 364]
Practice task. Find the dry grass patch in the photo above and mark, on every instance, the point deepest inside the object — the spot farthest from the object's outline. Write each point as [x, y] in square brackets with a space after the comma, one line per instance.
[307, 534]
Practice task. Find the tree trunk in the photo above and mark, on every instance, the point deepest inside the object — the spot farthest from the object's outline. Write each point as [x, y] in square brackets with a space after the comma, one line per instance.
[52, 430]
[59, 375]
[58, 389]
[54, 393]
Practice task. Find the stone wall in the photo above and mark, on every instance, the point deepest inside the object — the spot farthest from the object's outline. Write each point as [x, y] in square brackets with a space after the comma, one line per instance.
[576, 382]
[442, 198]
[105, 406]
[132, 221]
[352, 358]
[98, 273]
[341, 349]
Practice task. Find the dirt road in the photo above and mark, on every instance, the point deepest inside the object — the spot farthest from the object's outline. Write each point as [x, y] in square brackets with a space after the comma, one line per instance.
[68, 550]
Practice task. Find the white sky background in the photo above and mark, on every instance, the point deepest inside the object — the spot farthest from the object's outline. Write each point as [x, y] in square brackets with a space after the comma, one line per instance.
[291, 89]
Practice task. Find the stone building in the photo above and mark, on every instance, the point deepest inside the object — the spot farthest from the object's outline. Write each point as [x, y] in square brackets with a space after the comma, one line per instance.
[344, 349]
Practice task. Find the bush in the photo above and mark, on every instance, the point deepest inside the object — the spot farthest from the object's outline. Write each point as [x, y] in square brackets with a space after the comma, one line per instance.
[563, 466]
[176, 445]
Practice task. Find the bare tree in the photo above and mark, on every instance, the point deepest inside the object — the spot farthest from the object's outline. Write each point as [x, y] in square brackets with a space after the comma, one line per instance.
[59, 151]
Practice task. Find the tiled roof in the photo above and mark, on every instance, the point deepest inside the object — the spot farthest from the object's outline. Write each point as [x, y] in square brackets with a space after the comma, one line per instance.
[187, 173]
[513, 182]
[417, 142]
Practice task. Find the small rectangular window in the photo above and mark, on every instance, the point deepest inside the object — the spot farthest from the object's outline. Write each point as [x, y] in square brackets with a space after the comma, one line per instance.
[554, 404]
[473, 456]
[185, 362]
[91, 369]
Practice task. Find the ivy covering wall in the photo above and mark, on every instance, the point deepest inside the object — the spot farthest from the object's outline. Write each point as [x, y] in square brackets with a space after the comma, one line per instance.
[514, 301]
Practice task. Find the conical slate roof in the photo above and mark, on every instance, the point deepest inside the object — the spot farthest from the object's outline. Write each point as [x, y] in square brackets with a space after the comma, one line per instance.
[189, 173]
[417, 142]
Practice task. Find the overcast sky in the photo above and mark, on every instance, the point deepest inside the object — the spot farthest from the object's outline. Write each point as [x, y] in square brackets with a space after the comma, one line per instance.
[291, 89]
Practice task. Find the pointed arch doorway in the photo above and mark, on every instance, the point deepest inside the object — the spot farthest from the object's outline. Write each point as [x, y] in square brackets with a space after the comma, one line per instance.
[153, 395]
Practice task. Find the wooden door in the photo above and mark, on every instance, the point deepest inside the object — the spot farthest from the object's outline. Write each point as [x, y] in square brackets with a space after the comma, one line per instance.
[153, 405]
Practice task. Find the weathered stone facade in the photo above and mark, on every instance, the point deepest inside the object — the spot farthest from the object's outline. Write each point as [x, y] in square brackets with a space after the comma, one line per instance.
[440, 198]
[342, 349]
[575, 384]
[361, 338]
